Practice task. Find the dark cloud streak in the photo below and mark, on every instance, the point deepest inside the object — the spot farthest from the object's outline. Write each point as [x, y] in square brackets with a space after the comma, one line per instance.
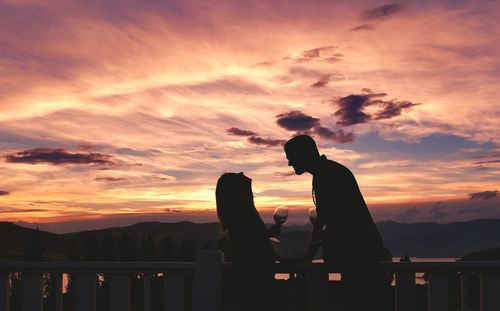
[57, 156]
[363, 27]
[239, 132]
[296, 121]
[381, 12]
[339, 136]
[322, 82]
[392, 109]
[350, 111]
[305, 124]
[2, 192]
[487, 162]
[254, 138]
[284, 174]
[112, 179]
[351, 108]
[484, 195]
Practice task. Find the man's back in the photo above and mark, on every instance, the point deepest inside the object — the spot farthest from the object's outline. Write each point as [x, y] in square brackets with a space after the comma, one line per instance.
[350, 235]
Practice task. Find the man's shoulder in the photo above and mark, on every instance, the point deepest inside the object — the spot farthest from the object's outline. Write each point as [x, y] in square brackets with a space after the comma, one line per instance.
[328, 164]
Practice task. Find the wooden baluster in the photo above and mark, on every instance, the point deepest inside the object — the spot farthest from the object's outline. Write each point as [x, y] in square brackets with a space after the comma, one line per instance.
[291, 288]
[405, 291]
[173, 292]
[490, 291]
[208, 281]
[318, 282]
[59, 289]
[147, 291]
[4, 292]
[464, 288]
[438, 291]
[85, 292]
[32, 292]
[119, 292]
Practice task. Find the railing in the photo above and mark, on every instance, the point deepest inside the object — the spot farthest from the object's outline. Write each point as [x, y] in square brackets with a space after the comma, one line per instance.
[205, 277]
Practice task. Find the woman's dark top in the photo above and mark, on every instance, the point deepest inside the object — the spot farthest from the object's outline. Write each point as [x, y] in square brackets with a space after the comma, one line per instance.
[253, 258]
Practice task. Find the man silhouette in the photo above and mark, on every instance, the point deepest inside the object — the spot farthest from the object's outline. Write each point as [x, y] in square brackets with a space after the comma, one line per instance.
[350, 241]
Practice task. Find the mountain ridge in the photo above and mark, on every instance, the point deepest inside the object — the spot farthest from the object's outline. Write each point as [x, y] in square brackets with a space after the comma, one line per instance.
[421, 239]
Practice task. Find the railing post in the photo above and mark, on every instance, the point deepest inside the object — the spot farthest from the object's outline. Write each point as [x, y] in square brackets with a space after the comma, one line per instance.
[490, 291]
[208, 281]
[119, 292]
[4, 292]
[464, 288]
[438, 291]
[318, 282]
[173, 292]
[32, 292]
[405, 291]
[85, 292]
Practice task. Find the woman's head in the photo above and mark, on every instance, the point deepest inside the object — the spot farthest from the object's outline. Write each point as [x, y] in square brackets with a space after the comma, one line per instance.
[234, 198]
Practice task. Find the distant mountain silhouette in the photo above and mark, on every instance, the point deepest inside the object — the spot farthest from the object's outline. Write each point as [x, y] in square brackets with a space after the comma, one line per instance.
[440, 240]
[204, 234]
[418, 240]
[489, 254]
[14, 239]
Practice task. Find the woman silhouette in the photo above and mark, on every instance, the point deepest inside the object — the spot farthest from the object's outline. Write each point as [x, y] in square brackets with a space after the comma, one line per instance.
[251, 251]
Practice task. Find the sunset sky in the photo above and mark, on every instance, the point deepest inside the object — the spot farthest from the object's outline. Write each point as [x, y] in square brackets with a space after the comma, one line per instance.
[114, 112]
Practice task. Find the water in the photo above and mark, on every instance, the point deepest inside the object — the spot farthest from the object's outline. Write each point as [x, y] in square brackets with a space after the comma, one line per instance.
[337, 276]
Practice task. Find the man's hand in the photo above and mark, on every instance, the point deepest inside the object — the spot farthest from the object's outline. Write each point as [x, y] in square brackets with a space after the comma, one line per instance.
[274, 231]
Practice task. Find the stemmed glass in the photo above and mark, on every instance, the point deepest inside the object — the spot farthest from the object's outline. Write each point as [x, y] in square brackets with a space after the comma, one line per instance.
[280, 215]
[313, 216]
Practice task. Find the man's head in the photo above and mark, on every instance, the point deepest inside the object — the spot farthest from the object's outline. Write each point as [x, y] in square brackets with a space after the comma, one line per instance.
[301, 152]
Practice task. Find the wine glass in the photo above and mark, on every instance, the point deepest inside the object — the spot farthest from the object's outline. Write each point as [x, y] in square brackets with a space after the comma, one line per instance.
[280, 215]
[313, 216]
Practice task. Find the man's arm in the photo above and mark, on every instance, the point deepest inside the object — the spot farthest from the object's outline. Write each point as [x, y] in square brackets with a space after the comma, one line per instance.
[314, 243]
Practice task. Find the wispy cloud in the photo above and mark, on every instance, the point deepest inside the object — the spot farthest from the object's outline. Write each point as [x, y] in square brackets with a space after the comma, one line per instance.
[487, 162]
[382, 12]
[484, 195]
[112, 179]
[315, 53]
[338, 136]
[437, 210]
[322, 82]
[363, 27]
[3, 192]
[254, 138]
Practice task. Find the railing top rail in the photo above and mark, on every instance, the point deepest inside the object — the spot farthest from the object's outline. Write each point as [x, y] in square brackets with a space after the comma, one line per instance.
[465, 266]
[99, 267]
[458, 266]
[189, 267]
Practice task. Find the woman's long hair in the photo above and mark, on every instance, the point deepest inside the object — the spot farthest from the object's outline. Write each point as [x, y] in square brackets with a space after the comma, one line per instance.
[234, 199]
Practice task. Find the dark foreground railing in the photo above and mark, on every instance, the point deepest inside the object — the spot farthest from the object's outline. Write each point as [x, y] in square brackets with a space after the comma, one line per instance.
[203, 284]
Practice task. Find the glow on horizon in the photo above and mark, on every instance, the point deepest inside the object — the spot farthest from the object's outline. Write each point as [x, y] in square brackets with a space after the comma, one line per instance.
[151, 89]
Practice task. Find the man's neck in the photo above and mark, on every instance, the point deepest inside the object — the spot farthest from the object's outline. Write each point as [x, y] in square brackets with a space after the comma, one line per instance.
[315, 166]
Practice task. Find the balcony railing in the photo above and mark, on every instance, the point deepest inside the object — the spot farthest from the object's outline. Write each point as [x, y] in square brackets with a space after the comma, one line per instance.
[206, 283]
